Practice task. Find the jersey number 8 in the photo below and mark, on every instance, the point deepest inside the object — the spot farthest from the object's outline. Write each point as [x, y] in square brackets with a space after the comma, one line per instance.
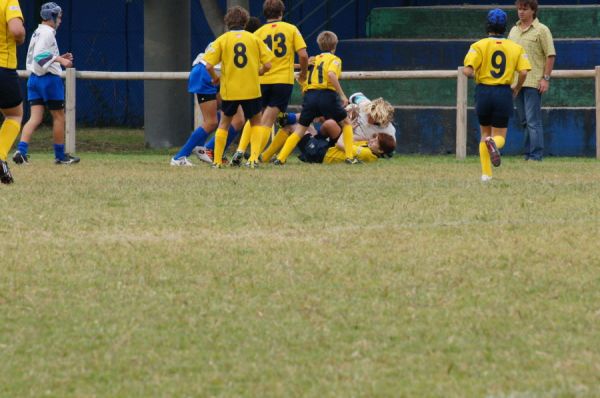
[240, 59]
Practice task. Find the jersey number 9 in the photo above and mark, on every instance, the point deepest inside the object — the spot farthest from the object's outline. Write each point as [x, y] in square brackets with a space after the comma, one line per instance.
[240, 59]
[499, 64]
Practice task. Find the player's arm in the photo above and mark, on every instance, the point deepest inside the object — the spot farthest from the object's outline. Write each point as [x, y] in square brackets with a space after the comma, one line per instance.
[210, 68]
[303, 59]
[468, 71]
[336, 84]
[264, 68]
[520, 81]
[17, 29]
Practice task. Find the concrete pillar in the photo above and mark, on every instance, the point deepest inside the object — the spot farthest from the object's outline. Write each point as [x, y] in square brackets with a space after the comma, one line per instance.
[167, 104]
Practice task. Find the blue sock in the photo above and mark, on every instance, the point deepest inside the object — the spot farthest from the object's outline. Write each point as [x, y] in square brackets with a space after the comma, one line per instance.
[291, 118]
[231, 136]
[59, 151]
[23, 147]
[211, 143]
[198, 137]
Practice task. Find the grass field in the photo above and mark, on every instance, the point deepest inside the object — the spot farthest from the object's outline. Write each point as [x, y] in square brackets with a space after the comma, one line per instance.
[123, 276]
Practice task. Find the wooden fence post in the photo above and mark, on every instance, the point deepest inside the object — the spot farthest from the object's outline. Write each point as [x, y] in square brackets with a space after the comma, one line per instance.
[461, 114]
[70, 106]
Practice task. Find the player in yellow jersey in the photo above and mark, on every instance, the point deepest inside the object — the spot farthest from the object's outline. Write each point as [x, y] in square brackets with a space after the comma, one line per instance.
[493, 62]
[12, 34]
[241, 54]
[323, 97]
[285, 41]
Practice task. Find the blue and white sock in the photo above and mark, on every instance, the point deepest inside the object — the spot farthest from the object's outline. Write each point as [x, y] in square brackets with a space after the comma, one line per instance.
[198, 137]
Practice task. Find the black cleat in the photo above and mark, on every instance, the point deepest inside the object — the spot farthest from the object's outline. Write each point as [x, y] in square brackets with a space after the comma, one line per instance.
[236, 160]
[19, 158]
[67, 160]
[494, 152]
[278, 162]
[5, 174]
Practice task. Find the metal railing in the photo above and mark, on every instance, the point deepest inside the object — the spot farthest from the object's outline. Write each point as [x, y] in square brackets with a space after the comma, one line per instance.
[71, 76]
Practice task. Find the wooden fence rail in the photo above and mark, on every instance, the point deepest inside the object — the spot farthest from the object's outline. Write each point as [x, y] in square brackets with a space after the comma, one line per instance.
[71, 76]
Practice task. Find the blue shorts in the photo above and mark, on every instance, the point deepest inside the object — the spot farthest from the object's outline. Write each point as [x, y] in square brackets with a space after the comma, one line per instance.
[321, 103]
[276, 95]
[494, 105]
[46, 90]
[200, 81]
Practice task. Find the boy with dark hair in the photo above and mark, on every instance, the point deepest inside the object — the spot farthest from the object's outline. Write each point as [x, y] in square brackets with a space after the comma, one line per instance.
[323, 97]
[45, 87]
[493, 62]
[241, 54]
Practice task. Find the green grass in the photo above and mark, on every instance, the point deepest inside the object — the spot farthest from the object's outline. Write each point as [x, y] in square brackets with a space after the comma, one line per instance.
[123, 276]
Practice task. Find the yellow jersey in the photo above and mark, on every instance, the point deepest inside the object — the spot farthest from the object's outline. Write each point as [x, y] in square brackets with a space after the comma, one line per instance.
[9, 9]
[318, 73]
[241, 54]
[495, 60]
[284, 40]
[360, 150]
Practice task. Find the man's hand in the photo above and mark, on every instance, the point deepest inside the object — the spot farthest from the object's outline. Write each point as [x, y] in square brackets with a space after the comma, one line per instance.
[543, 86]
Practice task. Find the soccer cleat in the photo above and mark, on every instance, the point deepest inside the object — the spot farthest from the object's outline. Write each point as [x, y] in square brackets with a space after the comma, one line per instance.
[282, 119]
[252, 165]
[216, 166]
[236, 160]
[352, 161]
[486, 178]
[205, 155]
[182, 161]
[5, 174]
[67, 160]
[19, 158]
[493, 150]
[278, 162]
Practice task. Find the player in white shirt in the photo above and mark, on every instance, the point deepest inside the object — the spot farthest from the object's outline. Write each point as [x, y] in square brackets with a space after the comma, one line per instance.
[45, 87]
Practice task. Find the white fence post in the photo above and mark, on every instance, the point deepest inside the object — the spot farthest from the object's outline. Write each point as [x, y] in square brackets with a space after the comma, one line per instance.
[461, 114]
[70, 128]
[597, 112]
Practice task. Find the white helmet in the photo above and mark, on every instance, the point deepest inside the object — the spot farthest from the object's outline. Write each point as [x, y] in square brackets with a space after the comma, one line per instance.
[50, 11]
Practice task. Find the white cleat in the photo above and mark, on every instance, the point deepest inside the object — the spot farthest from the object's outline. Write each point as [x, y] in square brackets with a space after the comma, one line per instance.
[203, 154]
[182, 161]
[486, 178]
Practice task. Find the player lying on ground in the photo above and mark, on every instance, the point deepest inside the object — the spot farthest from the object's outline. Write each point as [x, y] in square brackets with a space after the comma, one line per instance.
[368, 118]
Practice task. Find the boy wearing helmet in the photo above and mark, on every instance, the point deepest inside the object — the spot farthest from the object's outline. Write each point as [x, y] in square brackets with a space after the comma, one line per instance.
[45, 87]
[493, 61]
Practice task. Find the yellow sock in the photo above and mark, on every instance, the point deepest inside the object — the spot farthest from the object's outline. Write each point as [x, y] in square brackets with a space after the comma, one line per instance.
[275, 146]
[347, 136]
[484, 157]
[289, 146]
[245, 138]
[220, 141]
[256, 139]
[500, 141]
[266, 134]
[8, 133]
